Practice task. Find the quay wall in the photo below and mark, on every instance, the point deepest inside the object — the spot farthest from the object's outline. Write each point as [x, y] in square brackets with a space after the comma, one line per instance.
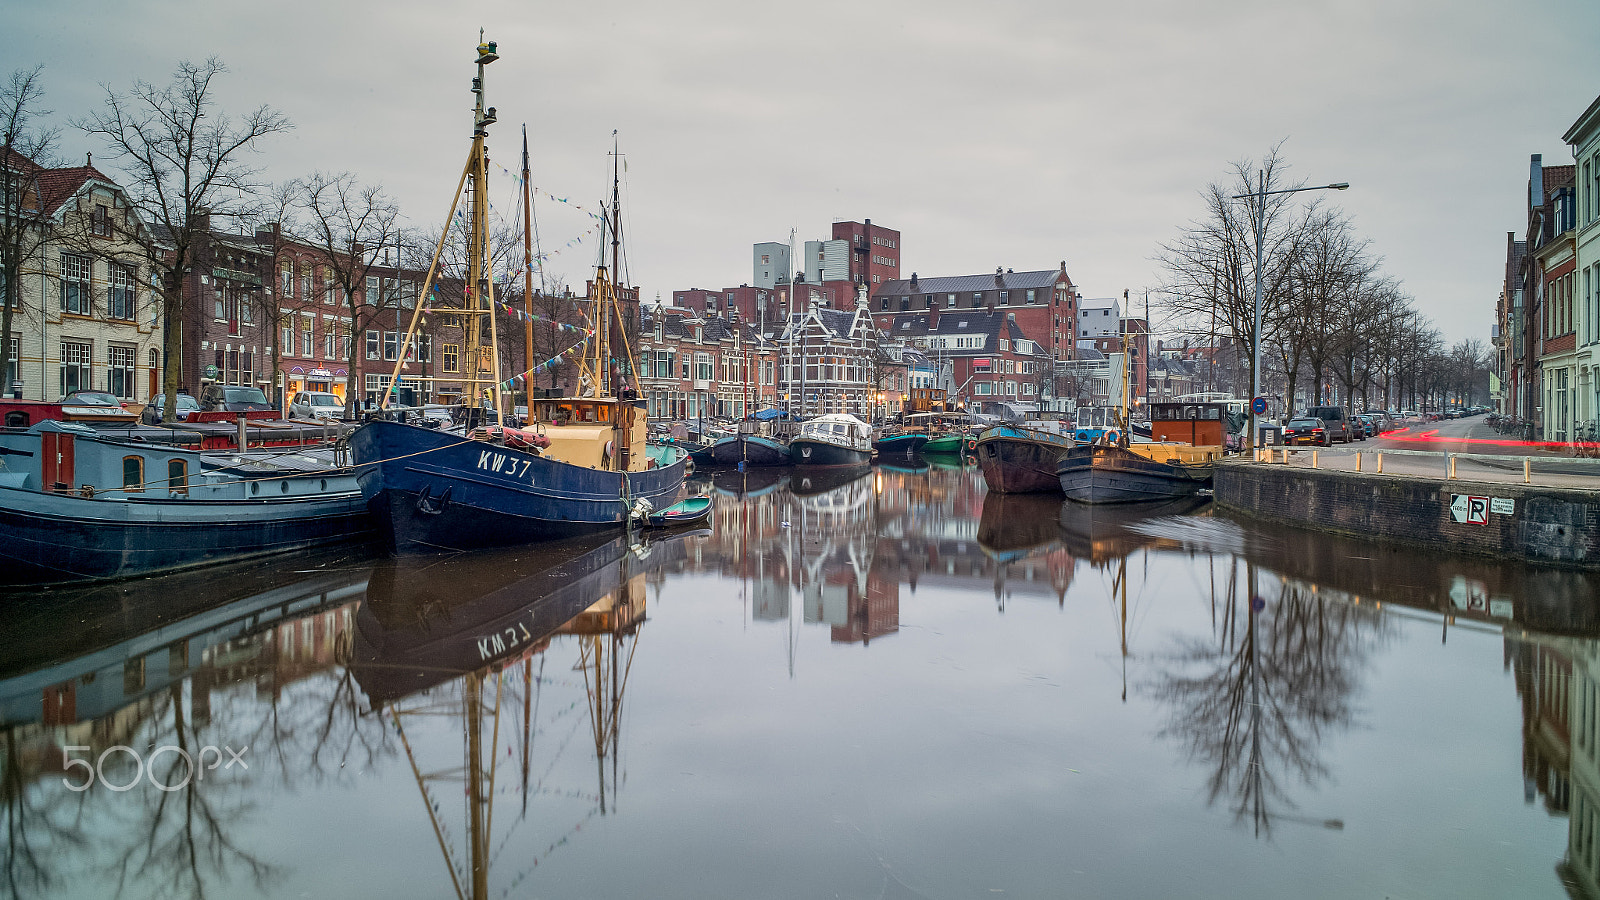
[1550, 526]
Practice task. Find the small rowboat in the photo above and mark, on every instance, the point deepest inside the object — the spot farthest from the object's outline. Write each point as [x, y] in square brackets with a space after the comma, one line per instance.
[684, 512]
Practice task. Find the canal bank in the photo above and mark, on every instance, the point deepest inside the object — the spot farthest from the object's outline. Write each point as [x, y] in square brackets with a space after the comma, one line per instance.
[1533, 523]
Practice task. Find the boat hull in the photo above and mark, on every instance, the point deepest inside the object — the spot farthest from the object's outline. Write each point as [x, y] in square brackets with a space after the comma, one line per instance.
[51, 538]
[1102, 474]
[905, 444]
[949, 443]
[750, 449]
[1020, 460]
[813, 452]
[429, 490]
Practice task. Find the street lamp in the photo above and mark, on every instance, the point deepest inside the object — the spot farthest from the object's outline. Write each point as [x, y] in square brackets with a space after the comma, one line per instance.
[1260, 196]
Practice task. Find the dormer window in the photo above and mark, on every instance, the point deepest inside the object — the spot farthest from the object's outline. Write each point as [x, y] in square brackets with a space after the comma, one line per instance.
[100, 222]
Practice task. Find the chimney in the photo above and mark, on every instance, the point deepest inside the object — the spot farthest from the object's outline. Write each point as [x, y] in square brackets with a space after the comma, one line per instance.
[202, 219]
[933, 315]
[913, 282]
[1536, 181]
[999, 277]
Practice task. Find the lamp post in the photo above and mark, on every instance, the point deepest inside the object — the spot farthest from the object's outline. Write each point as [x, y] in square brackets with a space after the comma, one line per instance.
[1260, 195]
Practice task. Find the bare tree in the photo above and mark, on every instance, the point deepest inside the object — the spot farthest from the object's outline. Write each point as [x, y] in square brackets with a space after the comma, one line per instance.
[347, 224]
[182, 161]
[25, 149]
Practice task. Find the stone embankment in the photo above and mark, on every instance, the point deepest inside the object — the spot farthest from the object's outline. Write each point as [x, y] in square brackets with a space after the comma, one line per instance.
[1540, 523]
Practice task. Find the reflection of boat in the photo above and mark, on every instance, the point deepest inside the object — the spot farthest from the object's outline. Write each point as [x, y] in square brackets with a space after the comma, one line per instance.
[70, 652]
[1012, 525]
[1017, 459]
[751, 483]
[77, 506]
[909, 465]
[836, 439]
[432, 619]
[811, 482]
[582, 462]
[1102, 533]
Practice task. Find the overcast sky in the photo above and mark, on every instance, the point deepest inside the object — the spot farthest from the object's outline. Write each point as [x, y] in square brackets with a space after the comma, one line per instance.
[1016, 134]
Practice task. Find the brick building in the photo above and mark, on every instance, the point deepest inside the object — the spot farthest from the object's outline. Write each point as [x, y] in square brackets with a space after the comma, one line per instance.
[983, 352]
[1043, 303]
[695, 365]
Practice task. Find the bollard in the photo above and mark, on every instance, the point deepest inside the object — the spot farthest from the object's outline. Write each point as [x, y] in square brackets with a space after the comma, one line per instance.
[1527, 470]
[1451, 461]
[1380, 463]
[1358, 460]
[1314, 458]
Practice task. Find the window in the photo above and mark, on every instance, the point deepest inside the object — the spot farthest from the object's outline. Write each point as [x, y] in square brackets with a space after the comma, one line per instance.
[286, 280]
[286, 344]
[75, 284]
[950, 301]
[372, 345]
[423, 348]
[684, 366]
[100, 222]
[307, 338]
[246, 304]
[119, 299]
[305, 283]
[133, 474]
[702, 367]
[178, 476]
[11, 367]
[452, 358]
[373, 290]
[119, 377]
[663, 364]
[391, 345]
[408, 294]
[1005, 297]
[330, 340]
[75, 370]
[327, 286]
[977, 299]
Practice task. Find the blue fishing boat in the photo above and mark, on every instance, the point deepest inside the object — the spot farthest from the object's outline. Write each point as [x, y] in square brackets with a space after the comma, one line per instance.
[750, 449]
[578, 464]
[76, 505]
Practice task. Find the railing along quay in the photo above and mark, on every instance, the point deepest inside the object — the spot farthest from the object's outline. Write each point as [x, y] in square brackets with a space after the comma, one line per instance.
[1552, 470]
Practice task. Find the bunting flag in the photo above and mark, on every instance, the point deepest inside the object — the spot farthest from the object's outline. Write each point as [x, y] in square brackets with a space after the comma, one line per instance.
[516, 381]
[517, 177]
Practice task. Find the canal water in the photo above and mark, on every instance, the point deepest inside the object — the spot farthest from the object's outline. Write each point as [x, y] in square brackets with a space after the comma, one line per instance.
[889, 685]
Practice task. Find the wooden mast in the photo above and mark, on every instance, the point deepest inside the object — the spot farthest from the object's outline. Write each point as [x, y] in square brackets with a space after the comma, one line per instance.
[527, 264]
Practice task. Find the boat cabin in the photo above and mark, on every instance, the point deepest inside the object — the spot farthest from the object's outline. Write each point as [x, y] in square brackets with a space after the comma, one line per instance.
[584, 431]
[1200, 424]
[925, 400]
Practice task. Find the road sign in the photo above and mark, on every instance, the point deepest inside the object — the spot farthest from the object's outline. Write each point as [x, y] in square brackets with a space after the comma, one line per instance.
[1259, 406]
[1469, 509]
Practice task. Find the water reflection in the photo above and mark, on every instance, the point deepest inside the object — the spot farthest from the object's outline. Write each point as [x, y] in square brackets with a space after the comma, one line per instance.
[188, 661]
[492, 688]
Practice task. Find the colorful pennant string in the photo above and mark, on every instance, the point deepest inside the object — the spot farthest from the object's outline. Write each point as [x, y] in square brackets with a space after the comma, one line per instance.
[516, 381]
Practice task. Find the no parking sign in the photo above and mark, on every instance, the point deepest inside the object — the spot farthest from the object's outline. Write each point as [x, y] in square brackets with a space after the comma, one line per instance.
[1259, 406]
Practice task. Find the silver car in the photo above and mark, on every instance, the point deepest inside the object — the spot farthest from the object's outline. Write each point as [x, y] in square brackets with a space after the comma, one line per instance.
[316, 405]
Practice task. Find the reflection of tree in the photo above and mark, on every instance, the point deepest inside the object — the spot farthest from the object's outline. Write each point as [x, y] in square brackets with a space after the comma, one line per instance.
[1257, 699]
[303, 725]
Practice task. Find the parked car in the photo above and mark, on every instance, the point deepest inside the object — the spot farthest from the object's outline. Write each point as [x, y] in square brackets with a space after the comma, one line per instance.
[316, 405]
[155, 409]
[233, 398]
[92, 398]
[1333, 419]
[1305, 430]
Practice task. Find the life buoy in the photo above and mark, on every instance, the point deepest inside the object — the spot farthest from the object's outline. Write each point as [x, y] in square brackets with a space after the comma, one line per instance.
[1112, 436]
[610, 448]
